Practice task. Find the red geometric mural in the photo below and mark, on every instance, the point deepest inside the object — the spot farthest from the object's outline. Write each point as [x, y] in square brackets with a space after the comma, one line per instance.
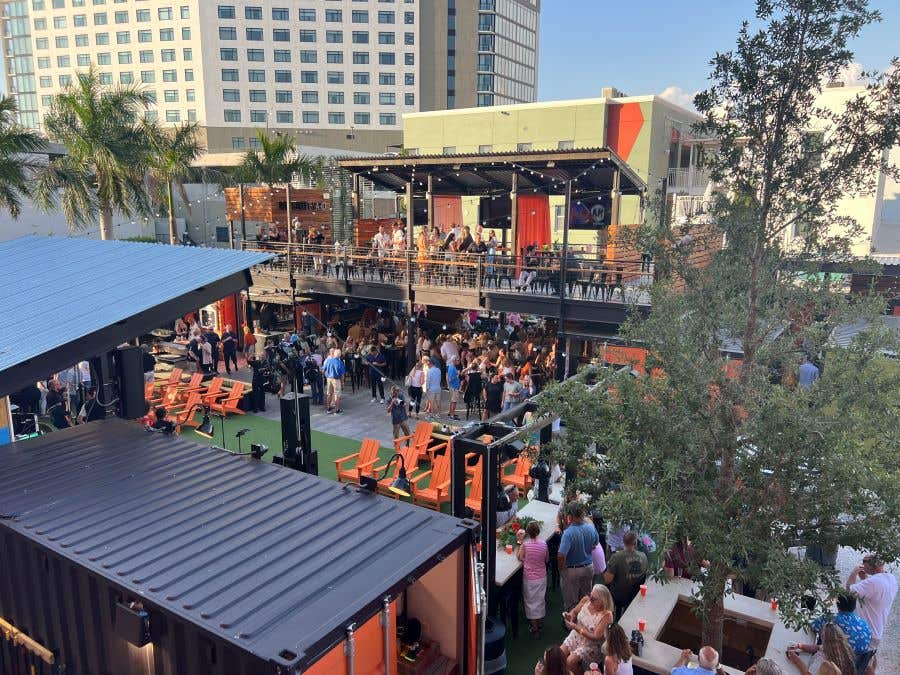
[624, 123]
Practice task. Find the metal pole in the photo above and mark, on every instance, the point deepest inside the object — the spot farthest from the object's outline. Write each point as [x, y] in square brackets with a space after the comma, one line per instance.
[514, 215]
[490, 483]
[350, 648]
[429, 197]
[243, 214]
[562, 282]
[386, 625]
[410, 215]
[290, 245]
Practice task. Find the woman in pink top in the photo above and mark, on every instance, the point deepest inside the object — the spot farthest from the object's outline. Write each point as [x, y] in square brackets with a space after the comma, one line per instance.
[534, 556]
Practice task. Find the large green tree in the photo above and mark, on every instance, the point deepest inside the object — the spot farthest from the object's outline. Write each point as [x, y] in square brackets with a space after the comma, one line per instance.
[173, 154]
[107, 153]
[16, 167]
[739, 459]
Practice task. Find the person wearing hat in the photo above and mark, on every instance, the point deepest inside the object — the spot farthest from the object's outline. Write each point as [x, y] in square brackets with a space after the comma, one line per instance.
[876, 590]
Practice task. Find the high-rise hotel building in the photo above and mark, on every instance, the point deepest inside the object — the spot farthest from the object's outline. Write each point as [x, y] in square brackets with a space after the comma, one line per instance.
[337, 73]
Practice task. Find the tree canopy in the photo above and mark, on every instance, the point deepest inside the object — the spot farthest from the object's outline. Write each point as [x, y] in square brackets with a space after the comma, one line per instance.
[16, 168]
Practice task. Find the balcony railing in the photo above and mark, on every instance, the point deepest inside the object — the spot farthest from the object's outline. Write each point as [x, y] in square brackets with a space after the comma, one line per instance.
[587, 276]
[688, 180]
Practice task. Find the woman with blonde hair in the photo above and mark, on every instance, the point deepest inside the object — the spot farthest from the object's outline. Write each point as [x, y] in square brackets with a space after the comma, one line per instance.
[587, 623]
[835, 650]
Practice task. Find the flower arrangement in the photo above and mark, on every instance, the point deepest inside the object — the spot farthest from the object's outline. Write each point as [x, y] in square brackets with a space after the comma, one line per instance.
[508, 533]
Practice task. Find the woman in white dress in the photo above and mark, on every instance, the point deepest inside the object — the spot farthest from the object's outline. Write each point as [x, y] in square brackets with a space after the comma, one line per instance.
[587, 622]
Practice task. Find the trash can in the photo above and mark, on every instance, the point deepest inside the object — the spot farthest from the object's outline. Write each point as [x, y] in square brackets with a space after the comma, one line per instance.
[494, 647]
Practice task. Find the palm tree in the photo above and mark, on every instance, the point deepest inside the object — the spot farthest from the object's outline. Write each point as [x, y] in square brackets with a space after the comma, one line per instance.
[276, 161]
[107, 153]
[16, 170]
[174, 152]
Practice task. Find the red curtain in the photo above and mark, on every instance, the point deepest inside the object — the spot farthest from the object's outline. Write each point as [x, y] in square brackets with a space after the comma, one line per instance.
[447, 211]
[533, 221]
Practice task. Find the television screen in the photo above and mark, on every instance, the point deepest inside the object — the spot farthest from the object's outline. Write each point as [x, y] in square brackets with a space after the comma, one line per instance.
[591, 212]
[494, 212]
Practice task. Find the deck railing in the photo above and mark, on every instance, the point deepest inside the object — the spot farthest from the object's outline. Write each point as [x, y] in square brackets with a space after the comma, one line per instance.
[587, 276]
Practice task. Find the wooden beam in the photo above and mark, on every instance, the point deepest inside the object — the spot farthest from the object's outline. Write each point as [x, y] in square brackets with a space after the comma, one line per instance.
[429, 198]
[514, 214]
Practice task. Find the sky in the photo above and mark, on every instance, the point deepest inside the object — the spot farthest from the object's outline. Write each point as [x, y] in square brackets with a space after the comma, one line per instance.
[656, 46]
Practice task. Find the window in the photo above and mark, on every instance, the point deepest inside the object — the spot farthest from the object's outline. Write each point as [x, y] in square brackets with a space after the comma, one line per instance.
[104, 59]
[164, 13]
[145, 56]
[185, 12]
[409, 38]
[310, 117]
[523, 147]
[362, 118]
[84, 60]
[253, 13]
[257, 96]
[258, 116]
[230, 75]
[123, 37]
[360, 78]
[483, 149]
[142, 15]
[309, 97]
[361, 98]
[145, 36]
[388, 79]
[282, 76]
[360, 16]
[387, 98]
[254, 34]
[61, 41]
[336, 118]
[281, 35]
[232, 115]
[334, 77]
[188, 74]
[40, 24]
[409, 59]
[227, 33]
[63, 62]
[44, 61]
[46, 81]
[256, 55]
[485, 82]
[254, 75]
[334, 36]
[360, 58]
[307, 15]
[151, 115]
[385, 38]
[385, 17]
[124, 57]
[226, 11]
[360, 37]
[173, 116]
[282, 96]
[46, 101]
[386, 58]
[170, 76]
[409, 99]
[101, 38]
[170, 96]
[228, 54]
[60, 21]
[100, 18]
[81, 40]
[192, 113]
[309, 76]
[167, 55]
[185, 33]
[308, 56]
[334, 15]
[387, 119]
[307, 36]
[237, 143]
[280, 14]
[120, 17]
[254, 143]
[336, 98]
[284, 117]
[42, 43]
[105, 78]
[334, 57]
[565, 145]
[409, 79]
[148, 76]
[409, 18]
[282, 56]
[486, 62]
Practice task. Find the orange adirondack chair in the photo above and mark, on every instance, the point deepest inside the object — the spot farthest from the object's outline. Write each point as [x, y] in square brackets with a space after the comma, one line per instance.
[438, 490]
[473, 501]
[519, 477]
[192, 385]
[149, 388]
[420, 439]
[166, 397]
[183, 415]
[410, 460]
[231, 403]
[173, 379]
[213, 391]
[365, 460]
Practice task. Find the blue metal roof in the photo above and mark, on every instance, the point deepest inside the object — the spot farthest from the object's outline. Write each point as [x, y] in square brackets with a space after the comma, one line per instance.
[56, 291]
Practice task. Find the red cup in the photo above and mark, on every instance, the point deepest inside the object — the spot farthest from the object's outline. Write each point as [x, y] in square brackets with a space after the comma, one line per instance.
[643, 590]
[642, 625]
[774, 604]
[509, 548]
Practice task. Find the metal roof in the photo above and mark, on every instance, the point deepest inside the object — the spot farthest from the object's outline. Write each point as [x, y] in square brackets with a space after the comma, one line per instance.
[844, 334]
[486, 173]
[265, 557]
[66, 298]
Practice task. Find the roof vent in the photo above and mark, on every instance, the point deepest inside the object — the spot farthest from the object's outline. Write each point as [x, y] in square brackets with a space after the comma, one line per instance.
[611, 92]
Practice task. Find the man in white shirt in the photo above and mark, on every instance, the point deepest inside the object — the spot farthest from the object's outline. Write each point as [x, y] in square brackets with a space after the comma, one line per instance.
[876, 590]
[380, 241]
[449, 349]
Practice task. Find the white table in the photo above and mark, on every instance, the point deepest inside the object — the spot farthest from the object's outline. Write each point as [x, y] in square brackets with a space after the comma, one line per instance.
[655, 608]
[507, 563]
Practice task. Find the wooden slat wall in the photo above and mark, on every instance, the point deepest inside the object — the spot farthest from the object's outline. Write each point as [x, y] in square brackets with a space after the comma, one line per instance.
[263, 205]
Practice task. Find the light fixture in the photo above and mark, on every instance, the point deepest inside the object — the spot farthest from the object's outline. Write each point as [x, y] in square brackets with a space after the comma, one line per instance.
[206, 427]
[399, 486]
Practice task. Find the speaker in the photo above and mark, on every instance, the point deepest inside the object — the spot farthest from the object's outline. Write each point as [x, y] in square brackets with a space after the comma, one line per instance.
[130, 376]
[296, 440]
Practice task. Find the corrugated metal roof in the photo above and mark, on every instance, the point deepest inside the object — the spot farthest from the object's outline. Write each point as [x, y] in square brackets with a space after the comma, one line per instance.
[54, 290]
[266, 557]
[843, 335]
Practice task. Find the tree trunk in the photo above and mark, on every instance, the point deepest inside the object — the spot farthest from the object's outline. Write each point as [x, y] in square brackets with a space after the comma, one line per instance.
[173, 227]
[106, 221]
[713, 621]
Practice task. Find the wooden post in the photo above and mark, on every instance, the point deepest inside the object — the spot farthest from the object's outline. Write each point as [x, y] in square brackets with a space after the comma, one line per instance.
[410, 215]
[429, 198]
[616, 199]
[514, 216]
[243, 215]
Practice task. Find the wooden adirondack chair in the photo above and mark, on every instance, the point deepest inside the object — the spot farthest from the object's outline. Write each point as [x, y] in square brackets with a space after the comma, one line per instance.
[149, 389]
[213, 391]
[183, 415]
[410, 460]
[231, 403]
[438, 490]
[473, 501]
[171, 381]
[192, 385]
[519, 477]
[365, 460]
[167, 397]
[420, 440]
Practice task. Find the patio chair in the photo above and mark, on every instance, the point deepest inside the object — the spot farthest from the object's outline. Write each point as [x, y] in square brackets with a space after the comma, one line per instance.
[420, 439]
[183, 415]
[231, 403]
[213, 392]
[438, 490]
[166, 397]
[473, 501]
[519, 477]
[365, 459]
[410, 462]
[192, 385]
[171, 381]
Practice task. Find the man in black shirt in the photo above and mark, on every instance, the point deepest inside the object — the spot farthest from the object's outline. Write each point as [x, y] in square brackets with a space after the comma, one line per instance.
[229, 348]
[212, 337]
[493, 396]
[91, 410]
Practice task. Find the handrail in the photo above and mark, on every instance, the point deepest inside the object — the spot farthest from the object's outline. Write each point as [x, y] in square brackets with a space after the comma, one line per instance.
[17, 637]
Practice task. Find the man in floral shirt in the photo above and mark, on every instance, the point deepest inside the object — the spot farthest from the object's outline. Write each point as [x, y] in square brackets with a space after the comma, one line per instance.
[854, 626]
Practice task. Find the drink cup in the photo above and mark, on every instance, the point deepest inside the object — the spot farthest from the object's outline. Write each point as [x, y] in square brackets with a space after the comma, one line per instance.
[774, 604]
[643, 590]
[509, 548]
[642, 625]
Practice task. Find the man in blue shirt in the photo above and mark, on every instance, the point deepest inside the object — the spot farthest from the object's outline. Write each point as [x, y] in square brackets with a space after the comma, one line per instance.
[433, 388]
[334, 377]
[707, 662]
[809, 373]
[453, 384]
[576, 571]
[854, 626]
